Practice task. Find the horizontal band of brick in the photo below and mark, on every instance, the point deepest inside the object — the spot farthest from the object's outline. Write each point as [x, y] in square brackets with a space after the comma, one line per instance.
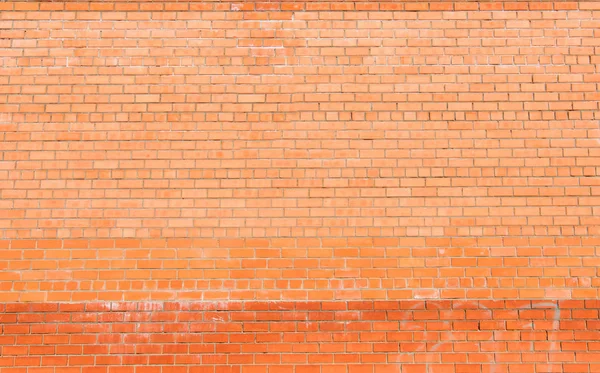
[298, 5]
[291, 242]
[299, 337]
[77, 270]
[278, 306]
[297, 269]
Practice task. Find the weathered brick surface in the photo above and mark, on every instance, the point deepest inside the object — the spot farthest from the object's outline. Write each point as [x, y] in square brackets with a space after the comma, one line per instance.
[307, 337]
[166, 165]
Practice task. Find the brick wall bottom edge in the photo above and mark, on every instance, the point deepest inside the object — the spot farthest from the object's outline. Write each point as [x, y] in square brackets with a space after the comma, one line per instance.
[509, 336]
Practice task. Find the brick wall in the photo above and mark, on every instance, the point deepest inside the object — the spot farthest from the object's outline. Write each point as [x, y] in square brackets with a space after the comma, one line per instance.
[303, 337]
[299, 187]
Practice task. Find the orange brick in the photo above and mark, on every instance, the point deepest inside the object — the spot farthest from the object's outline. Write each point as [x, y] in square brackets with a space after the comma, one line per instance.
[350, 154]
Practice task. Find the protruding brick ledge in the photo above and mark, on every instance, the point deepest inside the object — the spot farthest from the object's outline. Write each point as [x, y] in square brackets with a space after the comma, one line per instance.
[303, 337]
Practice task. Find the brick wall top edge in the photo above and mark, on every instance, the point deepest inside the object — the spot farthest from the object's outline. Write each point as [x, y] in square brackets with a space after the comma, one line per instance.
[294, 1]
[300, 5]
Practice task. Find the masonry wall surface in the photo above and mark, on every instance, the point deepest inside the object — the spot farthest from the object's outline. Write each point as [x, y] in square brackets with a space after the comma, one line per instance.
[299, 187]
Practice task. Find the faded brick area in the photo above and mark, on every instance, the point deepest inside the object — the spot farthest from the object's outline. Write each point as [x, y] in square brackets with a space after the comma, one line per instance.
[271, 187]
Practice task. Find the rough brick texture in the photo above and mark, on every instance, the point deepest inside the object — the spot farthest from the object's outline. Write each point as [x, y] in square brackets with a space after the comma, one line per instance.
[304, 337]
[306, 150]
[156, 157]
